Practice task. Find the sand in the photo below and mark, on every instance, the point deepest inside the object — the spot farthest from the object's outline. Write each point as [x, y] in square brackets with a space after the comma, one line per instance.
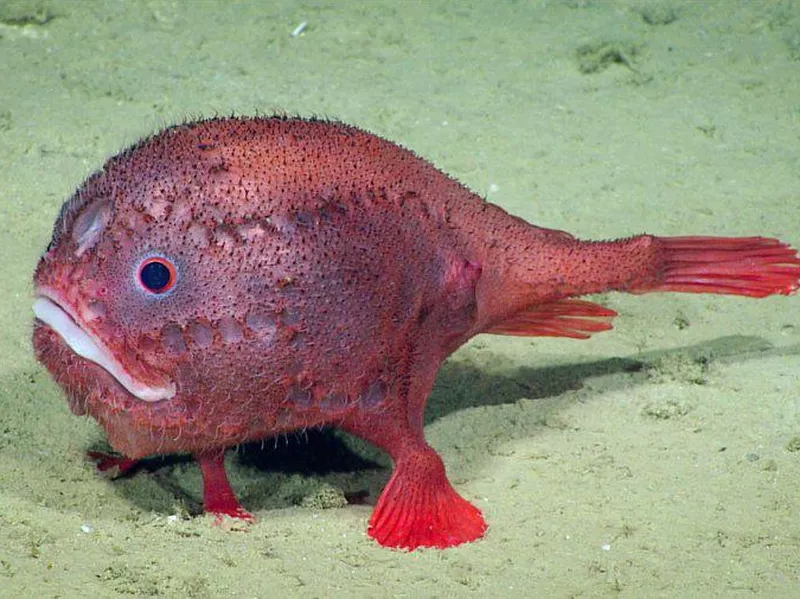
[661, 459]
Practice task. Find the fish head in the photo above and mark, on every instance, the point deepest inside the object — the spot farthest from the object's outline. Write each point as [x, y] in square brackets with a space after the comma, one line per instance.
[152, 301]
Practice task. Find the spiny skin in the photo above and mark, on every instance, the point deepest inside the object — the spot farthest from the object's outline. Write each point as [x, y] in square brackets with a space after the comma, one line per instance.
[323, 275]
[309, 257]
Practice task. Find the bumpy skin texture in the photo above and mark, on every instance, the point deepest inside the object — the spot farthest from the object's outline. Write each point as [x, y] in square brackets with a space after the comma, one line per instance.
[323, 275]
[306, 260]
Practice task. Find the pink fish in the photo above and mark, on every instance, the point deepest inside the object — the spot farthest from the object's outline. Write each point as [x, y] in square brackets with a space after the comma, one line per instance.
[233, 279]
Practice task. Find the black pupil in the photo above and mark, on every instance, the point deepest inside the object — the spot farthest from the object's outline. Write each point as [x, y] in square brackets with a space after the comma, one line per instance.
[155, 276]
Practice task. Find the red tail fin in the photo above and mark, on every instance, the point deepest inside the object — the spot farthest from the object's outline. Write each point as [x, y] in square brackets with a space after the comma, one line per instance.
[751, 266]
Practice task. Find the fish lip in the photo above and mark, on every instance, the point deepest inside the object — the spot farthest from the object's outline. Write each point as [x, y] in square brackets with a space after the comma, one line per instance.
[51, 310]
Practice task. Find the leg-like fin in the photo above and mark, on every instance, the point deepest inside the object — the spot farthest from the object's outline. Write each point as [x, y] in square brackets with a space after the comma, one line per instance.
[218, 495]
[419, 507]
[112, 465]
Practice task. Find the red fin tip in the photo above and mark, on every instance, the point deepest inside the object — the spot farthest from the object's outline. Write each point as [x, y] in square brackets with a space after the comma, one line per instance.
[573, 318]
[419, 508]
[749, 266]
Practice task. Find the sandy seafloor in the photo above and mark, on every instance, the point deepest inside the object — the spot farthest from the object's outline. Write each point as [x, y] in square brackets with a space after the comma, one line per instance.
[661, 459]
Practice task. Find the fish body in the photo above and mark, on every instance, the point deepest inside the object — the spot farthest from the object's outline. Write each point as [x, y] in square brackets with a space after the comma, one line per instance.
[229, 280]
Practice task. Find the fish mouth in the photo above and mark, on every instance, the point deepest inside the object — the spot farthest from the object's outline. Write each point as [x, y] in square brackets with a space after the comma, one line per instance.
[58, 316]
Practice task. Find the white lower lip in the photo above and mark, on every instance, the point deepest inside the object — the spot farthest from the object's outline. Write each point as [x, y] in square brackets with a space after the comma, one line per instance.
[53, 315]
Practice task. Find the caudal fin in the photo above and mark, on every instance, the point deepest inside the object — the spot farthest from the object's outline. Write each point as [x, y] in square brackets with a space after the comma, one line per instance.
[537, 298]
[750, 266]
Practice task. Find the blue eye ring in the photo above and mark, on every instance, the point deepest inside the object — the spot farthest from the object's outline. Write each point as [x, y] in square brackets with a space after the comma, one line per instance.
[157, 275]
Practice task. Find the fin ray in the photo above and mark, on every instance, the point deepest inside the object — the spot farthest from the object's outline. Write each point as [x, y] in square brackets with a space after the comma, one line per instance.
[574, 318]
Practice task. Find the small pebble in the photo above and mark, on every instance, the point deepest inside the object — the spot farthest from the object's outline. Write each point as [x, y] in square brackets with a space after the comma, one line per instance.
[300, 29]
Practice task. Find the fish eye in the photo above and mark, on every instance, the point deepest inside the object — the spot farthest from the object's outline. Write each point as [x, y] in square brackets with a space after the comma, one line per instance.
[157, 274]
